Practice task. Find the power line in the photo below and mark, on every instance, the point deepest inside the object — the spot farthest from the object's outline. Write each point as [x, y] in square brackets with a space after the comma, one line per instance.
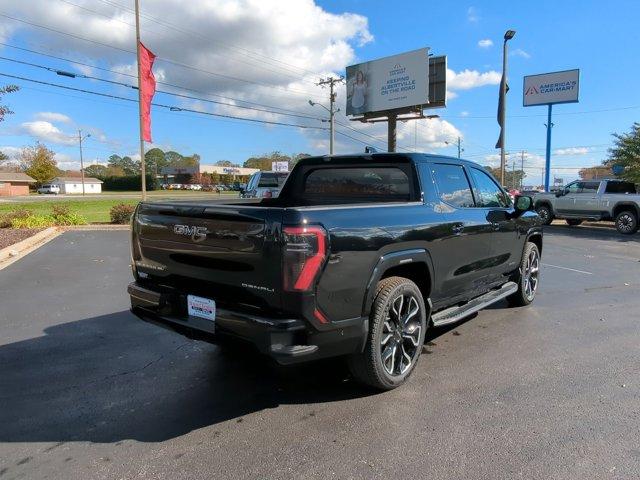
[122, 84]
[36, 52]
[240, 60]
[173, 108]
[172, 62]
[194, 33]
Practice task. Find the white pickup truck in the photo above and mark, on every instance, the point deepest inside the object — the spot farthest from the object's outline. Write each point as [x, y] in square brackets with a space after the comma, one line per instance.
[615, 200]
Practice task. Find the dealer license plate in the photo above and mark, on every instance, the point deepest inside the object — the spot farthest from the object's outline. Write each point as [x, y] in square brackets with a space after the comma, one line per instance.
[201, 307]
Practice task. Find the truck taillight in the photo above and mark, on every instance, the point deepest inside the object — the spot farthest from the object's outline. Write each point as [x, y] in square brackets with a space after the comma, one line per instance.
[304, 253]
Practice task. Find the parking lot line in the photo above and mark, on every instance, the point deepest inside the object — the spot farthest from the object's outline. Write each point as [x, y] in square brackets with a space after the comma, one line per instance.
[567, 268]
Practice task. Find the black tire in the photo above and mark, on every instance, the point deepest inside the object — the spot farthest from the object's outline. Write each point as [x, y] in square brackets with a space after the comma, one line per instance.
[529, 277]
[545, 213]
[627, 222]
[572, 222]
[369, 367]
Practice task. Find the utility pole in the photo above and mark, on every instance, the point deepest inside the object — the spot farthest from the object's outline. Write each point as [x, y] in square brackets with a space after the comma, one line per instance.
[331, 81]
[522, 169]
[459, 148]
[80, 139]
[513, 174]
[142, 166]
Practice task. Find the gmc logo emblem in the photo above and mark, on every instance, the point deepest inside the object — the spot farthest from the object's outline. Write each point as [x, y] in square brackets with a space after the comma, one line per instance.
[197, 234]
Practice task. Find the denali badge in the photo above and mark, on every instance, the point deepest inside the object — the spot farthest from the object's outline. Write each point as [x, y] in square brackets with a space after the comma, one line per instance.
[197, 234]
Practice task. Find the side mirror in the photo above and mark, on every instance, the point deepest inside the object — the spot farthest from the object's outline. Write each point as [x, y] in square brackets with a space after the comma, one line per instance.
[560, 193]
[523, 204]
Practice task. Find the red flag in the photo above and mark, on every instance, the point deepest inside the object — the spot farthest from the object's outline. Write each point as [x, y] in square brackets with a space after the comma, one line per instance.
[147, 88]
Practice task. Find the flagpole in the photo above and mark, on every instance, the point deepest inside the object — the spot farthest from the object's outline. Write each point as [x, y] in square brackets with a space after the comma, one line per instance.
[142, 166]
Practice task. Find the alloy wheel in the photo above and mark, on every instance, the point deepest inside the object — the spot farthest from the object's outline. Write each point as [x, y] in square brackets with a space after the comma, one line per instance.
[401, 333]
[530, 274]
[625, 223]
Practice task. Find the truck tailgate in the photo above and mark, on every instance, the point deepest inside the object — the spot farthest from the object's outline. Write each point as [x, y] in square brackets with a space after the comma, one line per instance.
[228, 253]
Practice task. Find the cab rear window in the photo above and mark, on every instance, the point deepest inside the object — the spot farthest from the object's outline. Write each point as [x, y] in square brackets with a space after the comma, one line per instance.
[371, 183]
[620, 187]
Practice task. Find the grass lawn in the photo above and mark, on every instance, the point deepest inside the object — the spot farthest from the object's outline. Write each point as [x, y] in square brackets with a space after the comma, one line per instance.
[94, 211]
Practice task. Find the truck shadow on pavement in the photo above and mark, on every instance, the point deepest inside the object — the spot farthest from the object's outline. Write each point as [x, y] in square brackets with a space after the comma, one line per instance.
[593, 232]
[112, 377]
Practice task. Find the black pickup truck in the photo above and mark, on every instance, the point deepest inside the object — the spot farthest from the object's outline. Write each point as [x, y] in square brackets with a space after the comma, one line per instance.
[358, 256]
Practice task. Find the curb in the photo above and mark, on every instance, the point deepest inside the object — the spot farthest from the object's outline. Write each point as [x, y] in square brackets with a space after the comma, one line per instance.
[15, 252]
[94, 227]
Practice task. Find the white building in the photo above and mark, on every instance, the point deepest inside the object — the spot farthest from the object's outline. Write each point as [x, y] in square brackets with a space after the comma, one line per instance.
[74, 184]
[241, 171]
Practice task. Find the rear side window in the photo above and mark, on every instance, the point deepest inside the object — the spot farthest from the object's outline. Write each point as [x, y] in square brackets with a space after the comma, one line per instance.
[590, 187]
[272, 180]
[488, 192]
[377, 183]
[621, 187]
[452, 184]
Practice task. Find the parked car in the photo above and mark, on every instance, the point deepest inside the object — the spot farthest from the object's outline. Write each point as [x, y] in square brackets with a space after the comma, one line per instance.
[49, 189]
[594, 200]
[264, 185]
[358, 256]
[175, 186]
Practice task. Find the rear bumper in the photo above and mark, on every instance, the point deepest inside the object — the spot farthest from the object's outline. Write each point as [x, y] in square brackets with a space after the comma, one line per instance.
[287, 340]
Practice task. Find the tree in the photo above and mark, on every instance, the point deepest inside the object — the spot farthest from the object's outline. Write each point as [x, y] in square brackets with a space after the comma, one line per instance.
[39, 163]
[225, 163]
[155, 160]
[265, 162]
[96, 171]
[512, 178]
[127, 164]
[594, 173]
[626, 154]
[4, 109]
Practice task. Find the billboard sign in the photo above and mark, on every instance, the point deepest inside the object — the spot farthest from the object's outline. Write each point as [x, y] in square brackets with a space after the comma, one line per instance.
[437, 82]
[279, 166]
[550, 88]
[389, 83]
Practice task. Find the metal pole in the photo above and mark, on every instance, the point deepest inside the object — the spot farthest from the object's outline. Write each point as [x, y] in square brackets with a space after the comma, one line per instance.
[504, 113]
[522, 169]
[81, 160]
[391, 132]
[459, 147]
[142, 166]
[332, 114]
[547, 163]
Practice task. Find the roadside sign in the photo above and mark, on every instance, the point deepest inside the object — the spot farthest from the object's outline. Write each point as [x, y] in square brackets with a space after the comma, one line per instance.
[279, 166]
[388, 83]
[551, 88]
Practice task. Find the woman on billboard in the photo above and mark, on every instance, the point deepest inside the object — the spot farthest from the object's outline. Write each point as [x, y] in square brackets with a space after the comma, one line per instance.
[359, 93]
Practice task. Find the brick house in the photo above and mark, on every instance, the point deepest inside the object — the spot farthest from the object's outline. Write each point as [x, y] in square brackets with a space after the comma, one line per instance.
[12, 184]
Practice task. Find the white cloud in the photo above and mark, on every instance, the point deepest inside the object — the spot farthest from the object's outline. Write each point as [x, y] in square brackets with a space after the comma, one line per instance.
[52, 117]
[473, 15]
[468, 79]
[518, 52]
[47, 132]
[464, 113]
[11, 152]
[572, 151]
[485, 43]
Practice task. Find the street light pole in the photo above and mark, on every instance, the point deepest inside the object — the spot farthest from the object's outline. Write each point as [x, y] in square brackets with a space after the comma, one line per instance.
[80, 139]
[509, 34]
[332, 110]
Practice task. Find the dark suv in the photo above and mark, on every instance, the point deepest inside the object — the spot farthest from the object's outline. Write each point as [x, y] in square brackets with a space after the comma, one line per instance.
[358, 256]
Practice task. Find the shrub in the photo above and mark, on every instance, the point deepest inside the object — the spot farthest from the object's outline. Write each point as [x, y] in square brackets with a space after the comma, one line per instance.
[62, 215]
[7, 219]
[129, 182]
[33, 221]
[121, 213]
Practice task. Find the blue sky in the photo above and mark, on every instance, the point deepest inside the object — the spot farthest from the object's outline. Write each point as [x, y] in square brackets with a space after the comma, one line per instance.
[281, 48]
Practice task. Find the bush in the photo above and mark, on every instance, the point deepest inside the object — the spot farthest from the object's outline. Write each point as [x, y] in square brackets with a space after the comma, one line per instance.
[121, 213]
[33, 221]
[7, 219]
[128, 182]
[62, 215]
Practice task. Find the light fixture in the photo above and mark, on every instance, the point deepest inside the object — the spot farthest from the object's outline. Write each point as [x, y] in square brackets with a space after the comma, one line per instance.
[509, 34]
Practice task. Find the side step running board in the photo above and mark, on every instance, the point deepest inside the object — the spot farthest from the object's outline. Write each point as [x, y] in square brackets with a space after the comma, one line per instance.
[453, 314]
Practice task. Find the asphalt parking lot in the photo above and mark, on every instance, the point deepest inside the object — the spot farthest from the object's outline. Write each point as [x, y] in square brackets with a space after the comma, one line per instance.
[550, 391]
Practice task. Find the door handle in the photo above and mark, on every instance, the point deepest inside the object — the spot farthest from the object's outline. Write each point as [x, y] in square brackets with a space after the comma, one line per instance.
[458, 229]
